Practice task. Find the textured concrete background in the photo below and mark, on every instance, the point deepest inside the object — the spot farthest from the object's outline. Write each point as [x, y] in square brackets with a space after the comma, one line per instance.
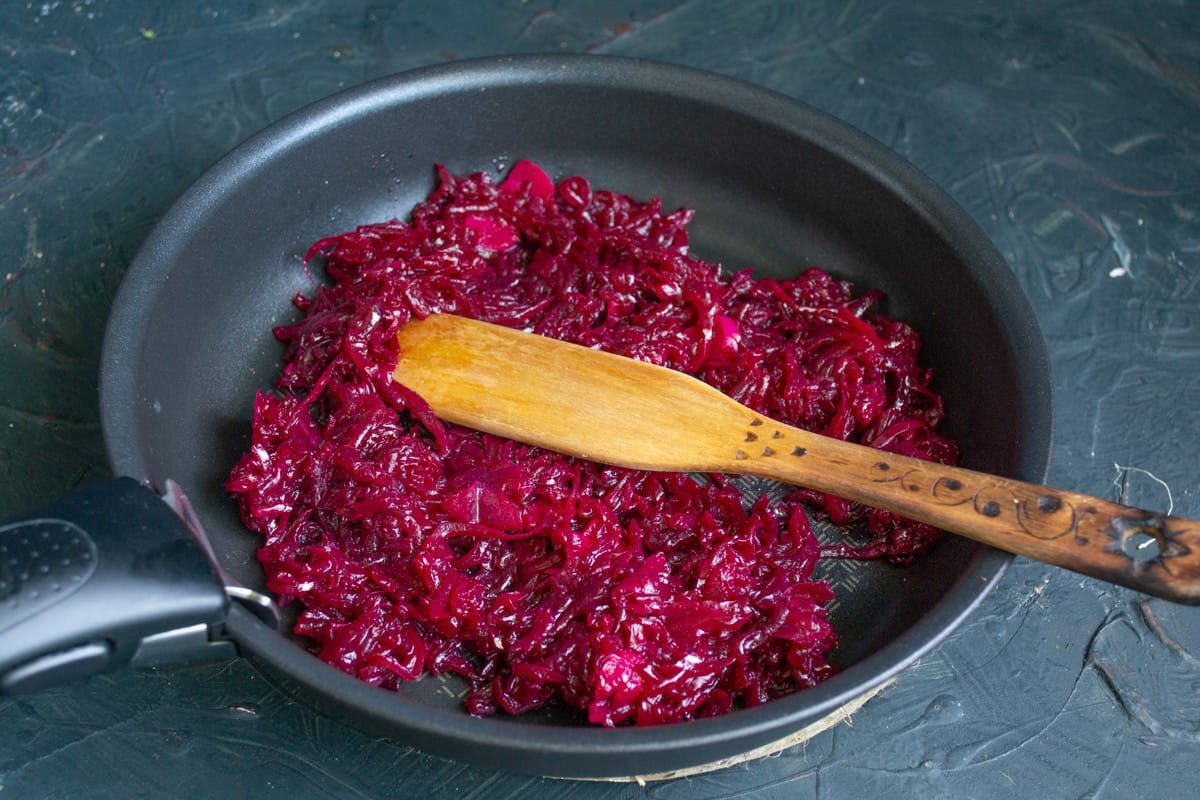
[1069, 130]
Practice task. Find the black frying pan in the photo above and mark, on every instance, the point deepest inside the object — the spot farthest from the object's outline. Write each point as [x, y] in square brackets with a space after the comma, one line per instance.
[777, 185]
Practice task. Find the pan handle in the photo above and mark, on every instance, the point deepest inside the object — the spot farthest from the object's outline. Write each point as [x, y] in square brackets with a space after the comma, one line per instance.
[102, 578]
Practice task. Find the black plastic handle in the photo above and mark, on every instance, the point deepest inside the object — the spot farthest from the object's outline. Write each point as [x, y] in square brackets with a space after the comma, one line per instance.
[91, 581]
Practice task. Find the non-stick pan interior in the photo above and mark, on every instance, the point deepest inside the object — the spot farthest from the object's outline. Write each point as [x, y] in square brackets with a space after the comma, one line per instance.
[776, 186]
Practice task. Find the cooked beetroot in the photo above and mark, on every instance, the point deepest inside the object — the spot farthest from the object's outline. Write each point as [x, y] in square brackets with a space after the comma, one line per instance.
[415, 546]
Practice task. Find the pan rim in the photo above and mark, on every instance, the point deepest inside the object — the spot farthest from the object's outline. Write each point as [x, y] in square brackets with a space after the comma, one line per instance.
[586, 751]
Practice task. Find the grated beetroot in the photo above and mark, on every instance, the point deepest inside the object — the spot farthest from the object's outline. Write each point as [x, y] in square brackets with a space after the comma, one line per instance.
[416, 546]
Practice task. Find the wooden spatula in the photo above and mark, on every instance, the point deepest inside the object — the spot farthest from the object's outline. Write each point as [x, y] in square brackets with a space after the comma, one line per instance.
[618, 411]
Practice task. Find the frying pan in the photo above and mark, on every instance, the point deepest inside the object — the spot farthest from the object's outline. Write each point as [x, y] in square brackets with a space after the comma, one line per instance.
[116, 578]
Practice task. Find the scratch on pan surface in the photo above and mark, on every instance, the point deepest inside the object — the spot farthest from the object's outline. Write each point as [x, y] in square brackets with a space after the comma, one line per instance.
[1121, 481]
[1134, 656]
[1123, 147]
[1155, 624]
[622, 31]
[1119, 247]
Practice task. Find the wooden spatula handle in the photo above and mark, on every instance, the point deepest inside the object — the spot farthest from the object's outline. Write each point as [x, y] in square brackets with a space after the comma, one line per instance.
[1153, 553]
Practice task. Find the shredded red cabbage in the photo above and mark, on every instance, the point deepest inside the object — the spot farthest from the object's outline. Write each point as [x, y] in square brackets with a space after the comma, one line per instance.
[416, 546]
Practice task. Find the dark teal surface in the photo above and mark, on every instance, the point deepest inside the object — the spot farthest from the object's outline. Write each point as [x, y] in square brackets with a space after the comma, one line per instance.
[1070, 131]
